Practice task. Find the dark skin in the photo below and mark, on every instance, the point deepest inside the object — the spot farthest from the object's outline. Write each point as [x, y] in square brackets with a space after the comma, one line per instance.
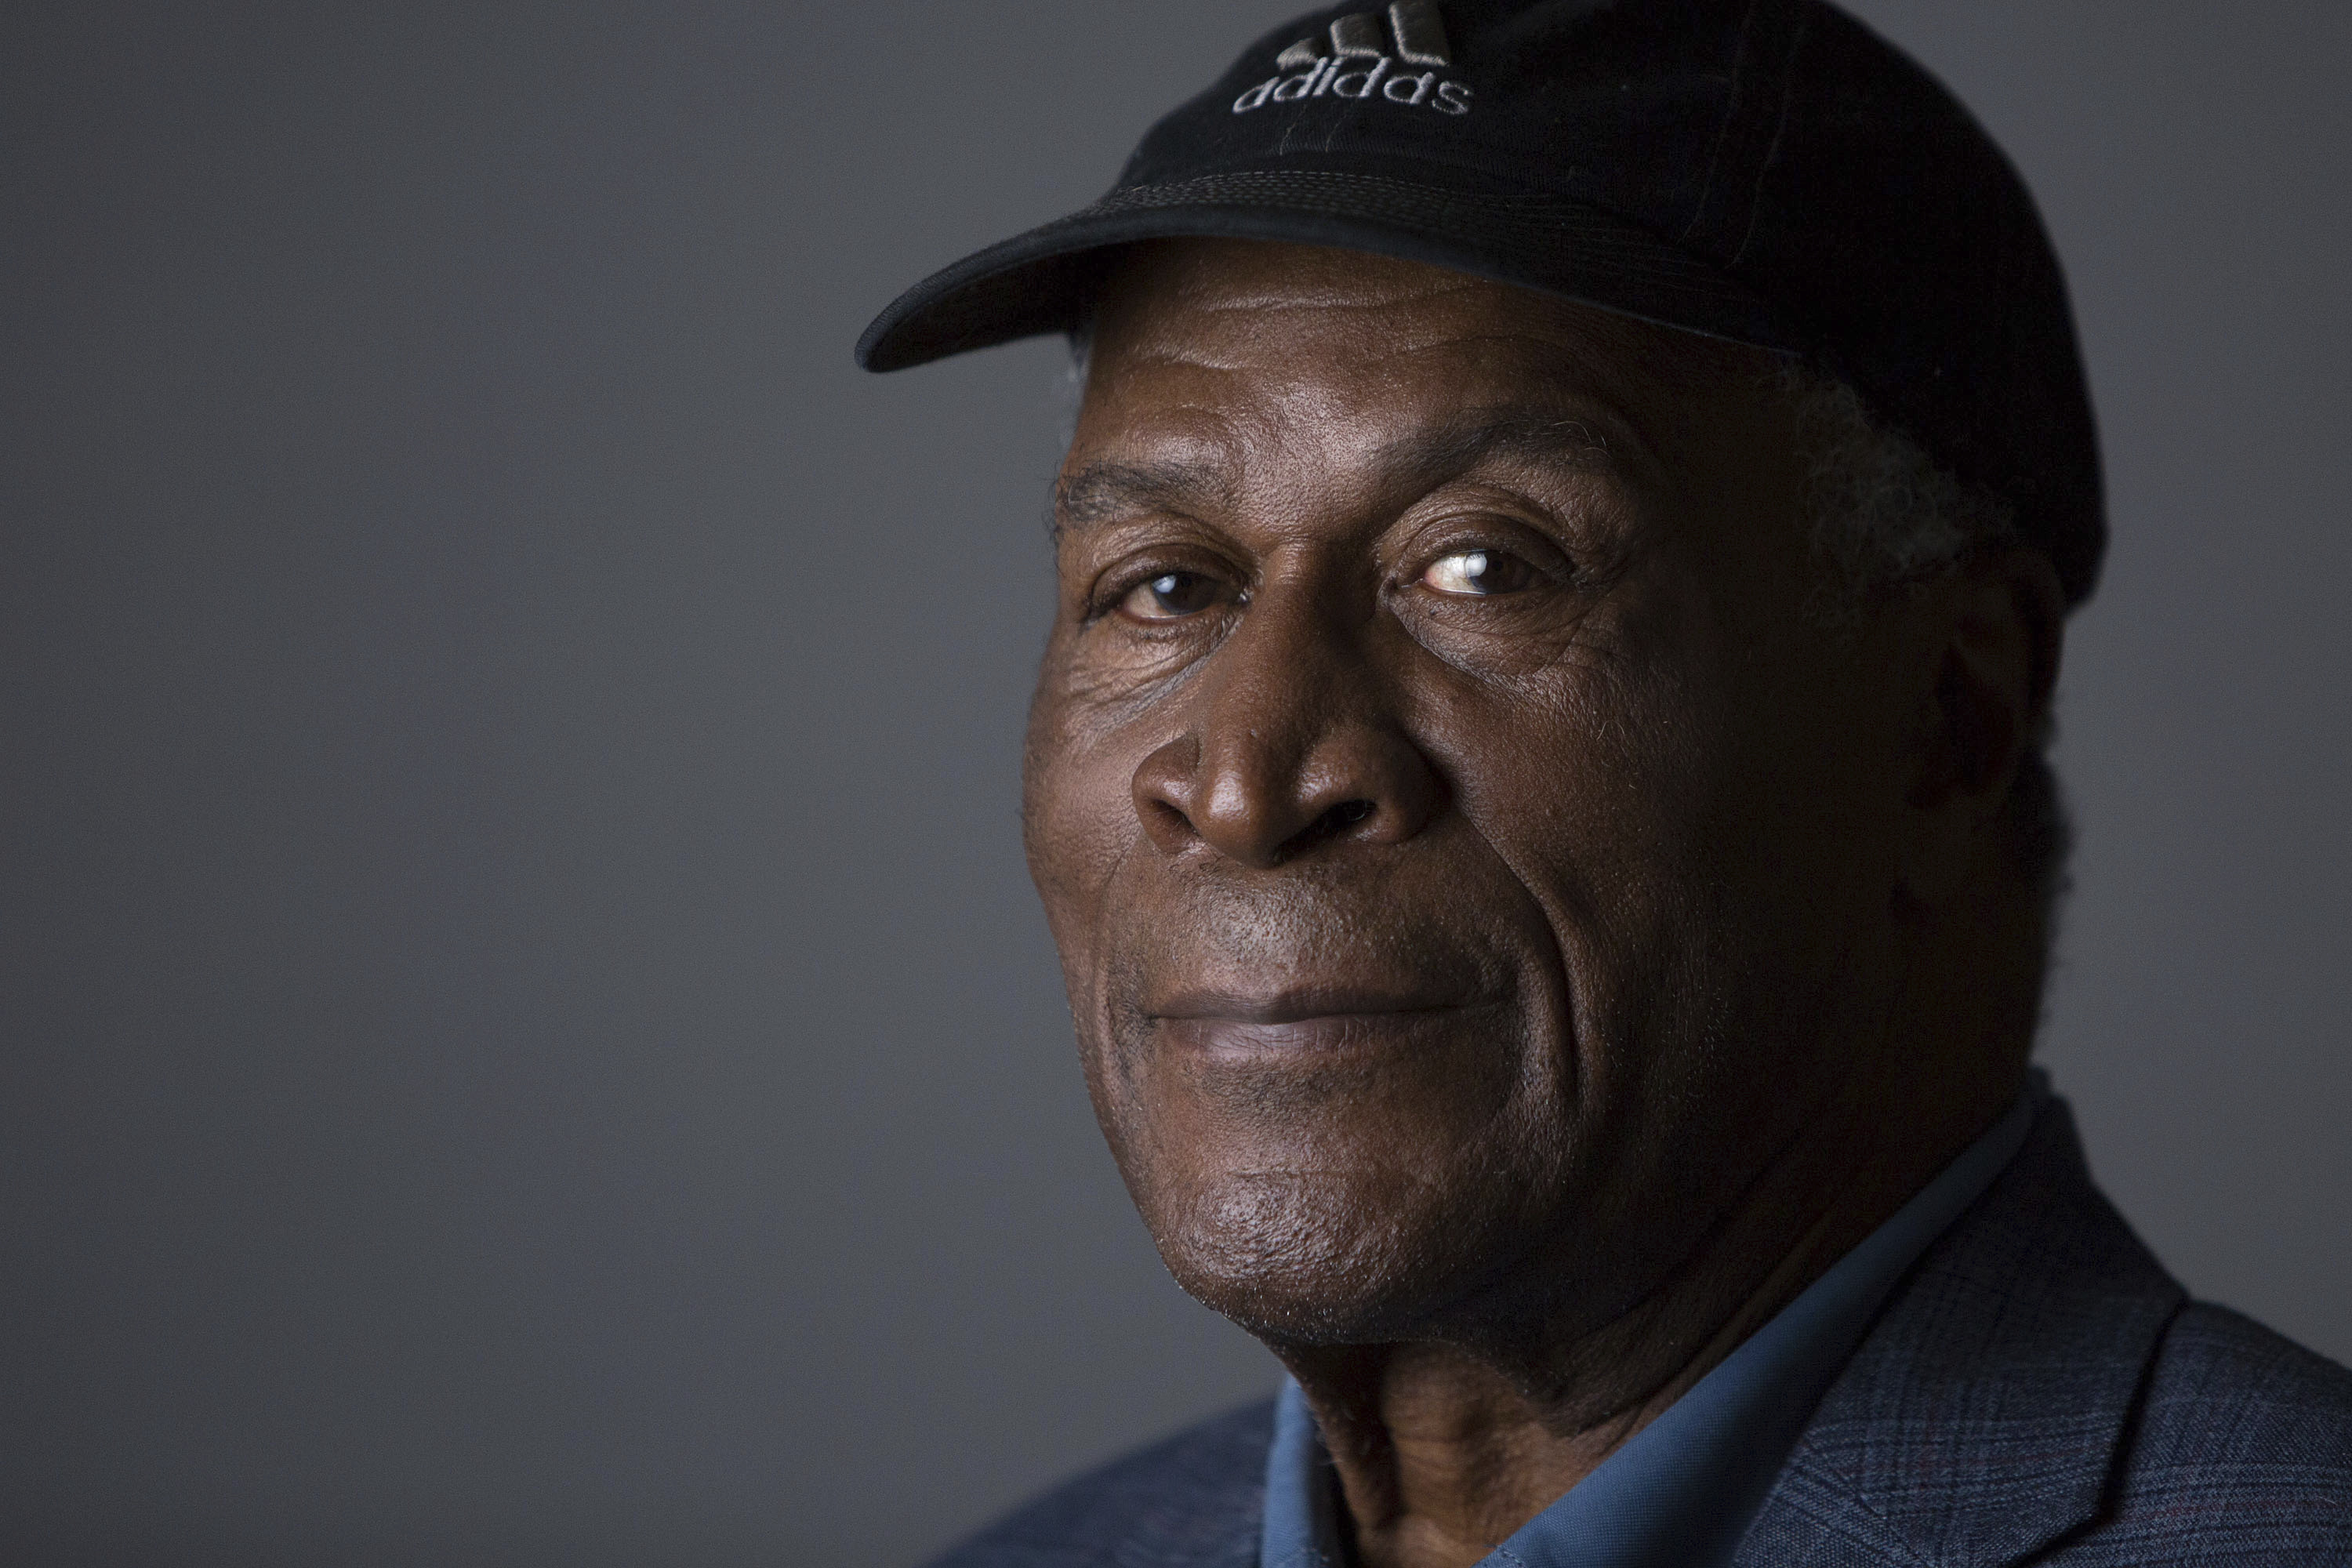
[1516, 944]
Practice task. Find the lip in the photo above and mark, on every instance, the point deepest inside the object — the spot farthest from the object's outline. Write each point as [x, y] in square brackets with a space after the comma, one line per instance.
[1298, 1005]
[1310, 1026]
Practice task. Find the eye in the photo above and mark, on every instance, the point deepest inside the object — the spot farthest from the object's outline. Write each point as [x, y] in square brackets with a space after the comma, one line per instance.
[1477, 574]
[1170, 596]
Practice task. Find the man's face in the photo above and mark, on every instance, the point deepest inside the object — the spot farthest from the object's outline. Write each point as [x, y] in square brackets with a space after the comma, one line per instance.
[1469, 862]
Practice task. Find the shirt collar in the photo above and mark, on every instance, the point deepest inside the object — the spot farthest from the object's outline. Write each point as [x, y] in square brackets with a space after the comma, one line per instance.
[1683, 1490]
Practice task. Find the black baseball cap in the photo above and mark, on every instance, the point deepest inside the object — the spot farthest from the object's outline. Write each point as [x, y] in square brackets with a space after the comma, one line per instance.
[1768, 172]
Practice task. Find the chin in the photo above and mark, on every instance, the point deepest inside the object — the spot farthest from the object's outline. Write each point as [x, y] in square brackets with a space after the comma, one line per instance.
[1321, 1260]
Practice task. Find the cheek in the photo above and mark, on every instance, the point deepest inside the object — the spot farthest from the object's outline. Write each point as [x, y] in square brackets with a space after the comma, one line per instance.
[1609, 801]
[1597, 781]
[1072, 803]
[1078, 819]
[1681, 807]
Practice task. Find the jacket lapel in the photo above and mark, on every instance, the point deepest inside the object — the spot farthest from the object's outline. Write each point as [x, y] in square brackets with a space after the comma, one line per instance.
[1980, 1419]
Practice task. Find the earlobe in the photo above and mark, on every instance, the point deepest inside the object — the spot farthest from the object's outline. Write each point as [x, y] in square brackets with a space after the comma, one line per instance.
[1999, 624]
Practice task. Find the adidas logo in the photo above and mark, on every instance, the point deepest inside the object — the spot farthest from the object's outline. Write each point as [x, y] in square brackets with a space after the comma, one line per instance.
[1360, 64]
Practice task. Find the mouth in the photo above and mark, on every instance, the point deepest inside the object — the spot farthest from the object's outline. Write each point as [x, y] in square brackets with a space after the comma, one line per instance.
[1294, 1005]
[1306, 1019]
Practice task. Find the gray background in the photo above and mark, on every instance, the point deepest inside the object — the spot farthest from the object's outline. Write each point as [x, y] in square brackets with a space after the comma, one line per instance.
[526, 1035]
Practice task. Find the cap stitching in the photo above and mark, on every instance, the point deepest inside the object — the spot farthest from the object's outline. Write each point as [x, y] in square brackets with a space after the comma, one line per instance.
[1530, 217]
[1779, 127]
[1723, 129]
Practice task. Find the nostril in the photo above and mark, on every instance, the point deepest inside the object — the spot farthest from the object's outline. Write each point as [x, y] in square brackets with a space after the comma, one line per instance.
[1167, 822]
[1327, 826]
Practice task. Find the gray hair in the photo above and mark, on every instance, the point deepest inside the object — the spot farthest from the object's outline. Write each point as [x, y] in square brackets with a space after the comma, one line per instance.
[1886, 515]
[1883, 511]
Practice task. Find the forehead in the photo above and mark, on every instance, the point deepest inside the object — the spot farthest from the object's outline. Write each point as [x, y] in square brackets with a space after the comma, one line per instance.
[1221, 340]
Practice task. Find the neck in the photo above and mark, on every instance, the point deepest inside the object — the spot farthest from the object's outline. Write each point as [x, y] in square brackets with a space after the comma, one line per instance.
[1446, 1447]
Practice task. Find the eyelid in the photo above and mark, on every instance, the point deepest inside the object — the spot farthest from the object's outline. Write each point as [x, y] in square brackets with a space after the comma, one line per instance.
[1493, 534]
[1115, 586]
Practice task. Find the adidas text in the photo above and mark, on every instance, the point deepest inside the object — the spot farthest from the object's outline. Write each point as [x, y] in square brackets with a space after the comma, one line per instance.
[1360, 65]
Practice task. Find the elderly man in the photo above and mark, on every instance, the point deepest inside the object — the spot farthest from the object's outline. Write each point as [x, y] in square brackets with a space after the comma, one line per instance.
[1537, 780]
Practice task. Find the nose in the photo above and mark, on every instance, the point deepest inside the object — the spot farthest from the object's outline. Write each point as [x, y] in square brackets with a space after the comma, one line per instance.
[1293, 748]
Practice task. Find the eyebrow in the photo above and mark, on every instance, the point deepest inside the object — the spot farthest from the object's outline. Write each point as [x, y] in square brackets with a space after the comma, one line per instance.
[1109, 489]
[1461, 443]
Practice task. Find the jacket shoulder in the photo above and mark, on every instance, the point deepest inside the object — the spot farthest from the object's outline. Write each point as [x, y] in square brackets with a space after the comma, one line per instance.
[2040, 1391]
[1192, 1498]
[2241, 1454]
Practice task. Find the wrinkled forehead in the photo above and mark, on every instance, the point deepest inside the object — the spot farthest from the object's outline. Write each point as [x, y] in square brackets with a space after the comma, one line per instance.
[1269, 340]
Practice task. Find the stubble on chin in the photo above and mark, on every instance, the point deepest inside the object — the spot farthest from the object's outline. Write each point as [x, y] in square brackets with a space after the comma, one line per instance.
[1273, 1207]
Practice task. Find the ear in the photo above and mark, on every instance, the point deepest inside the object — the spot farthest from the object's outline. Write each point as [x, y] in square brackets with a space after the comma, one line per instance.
[1995, 628]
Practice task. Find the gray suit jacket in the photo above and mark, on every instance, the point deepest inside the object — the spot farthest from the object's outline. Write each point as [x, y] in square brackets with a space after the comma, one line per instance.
[2037, 1390]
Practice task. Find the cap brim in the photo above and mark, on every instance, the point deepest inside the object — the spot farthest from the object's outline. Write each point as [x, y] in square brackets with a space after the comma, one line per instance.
[1042, 281]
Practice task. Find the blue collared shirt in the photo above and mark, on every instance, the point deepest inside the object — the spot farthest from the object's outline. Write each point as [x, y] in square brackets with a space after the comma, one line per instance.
[1681, 1493]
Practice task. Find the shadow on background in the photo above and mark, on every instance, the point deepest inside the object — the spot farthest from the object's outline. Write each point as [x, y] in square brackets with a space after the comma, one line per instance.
[526, 1038]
